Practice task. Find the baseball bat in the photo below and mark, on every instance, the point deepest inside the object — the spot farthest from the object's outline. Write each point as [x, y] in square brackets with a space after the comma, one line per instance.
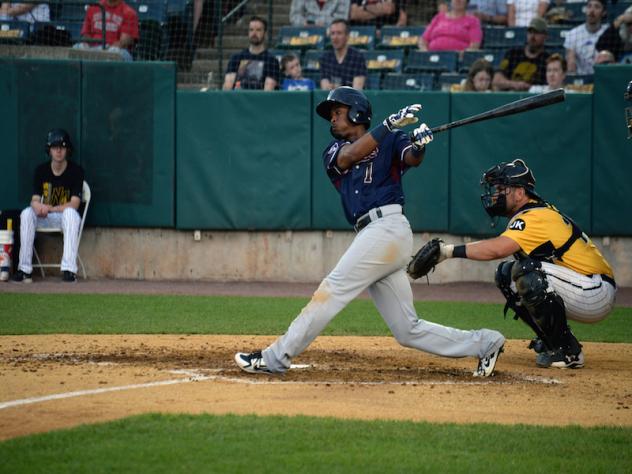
[516, 107]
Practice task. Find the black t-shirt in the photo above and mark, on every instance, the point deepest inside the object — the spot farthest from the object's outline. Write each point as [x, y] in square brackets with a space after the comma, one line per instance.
[252, 69]
[57, 190]
[342, 74]
[516, 66]
[380, 20]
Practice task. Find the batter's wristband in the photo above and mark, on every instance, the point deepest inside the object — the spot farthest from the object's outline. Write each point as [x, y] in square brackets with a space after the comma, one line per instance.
[459, 252]
[379, 132]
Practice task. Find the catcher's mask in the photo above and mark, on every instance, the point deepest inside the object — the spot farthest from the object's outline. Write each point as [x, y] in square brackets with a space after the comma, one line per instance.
[628, 110]
[498, 178]
[359, 106]
[58, 137]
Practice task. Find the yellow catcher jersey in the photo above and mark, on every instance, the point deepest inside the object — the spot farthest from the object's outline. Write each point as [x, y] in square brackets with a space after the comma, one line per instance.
[543, 233]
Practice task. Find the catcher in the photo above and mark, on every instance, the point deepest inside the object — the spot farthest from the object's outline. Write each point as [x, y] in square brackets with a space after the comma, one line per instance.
[558, 273]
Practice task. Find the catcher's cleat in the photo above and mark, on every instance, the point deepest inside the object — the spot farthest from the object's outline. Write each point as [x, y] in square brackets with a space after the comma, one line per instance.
[487, 364]
[252, 363]
[560, 359]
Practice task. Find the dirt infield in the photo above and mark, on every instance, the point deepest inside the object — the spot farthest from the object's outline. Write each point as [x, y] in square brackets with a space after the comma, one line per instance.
[59, 381]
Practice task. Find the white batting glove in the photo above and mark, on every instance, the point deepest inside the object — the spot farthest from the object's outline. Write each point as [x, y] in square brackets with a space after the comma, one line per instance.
[404, 117]
[421, 136]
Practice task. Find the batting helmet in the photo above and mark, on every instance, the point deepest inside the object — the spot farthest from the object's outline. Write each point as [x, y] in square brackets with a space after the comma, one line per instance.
[359, 106]
[58, 137]
[515, 174]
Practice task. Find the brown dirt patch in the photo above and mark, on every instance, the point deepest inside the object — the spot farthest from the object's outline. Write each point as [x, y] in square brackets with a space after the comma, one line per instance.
[347, 377]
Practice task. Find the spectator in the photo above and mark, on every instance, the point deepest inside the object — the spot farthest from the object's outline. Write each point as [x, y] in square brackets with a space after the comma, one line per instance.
[29, 12]
[580, 42]
[555, 74]
[253, 67]
[318, 12]
[521, 12]
[604, 57]
[523, 67]
[378, 13]
[454, 30]
[294, 80]
[479, 78]
[121, 27]
[618, 37]
[57, 188]
[489, 12]
[342, 65]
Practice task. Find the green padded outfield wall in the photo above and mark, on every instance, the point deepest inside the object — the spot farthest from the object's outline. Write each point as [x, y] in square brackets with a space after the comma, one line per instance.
[612, 153]
[555, 141]
[243, 160]
[425, 187]
[128, 142]
[36, 95]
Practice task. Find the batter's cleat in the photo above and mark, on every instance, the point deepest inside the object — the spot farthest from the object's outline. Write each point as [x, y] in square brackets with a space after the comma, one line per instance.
[252, 363]
[537, 345]
[487, 364]
[69, 277]
[560, 359]
[21, 277]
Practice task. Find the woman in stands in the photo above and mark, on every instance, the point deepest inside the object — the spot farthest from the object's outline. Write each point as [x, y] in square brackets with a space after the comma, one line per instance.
[454, 30]
[479, 78]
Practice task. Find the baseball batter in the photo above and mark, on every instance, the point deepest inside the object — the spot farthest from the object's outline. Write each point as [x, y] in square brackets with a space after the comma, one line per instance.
[558, 272]
[366, 168]
[57, 188]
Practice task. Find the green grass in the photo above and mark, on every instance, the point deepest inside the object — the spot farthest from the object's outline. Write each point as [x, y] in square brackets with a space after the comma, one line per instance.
[159, 314]
[236, 444]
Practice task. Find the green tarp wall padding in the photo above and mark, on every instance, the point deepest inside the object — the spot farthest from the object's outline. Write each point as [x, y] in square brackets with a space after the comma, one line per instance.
[555, 141]
[128, 142]
[243, 160]
[36, 95]
[425, 187]
[612, 153]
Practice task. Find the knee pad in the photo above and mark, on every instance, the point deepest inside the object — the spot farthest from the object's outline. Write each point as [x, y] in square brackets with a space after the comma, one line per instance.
[503, 275]
[531, 282]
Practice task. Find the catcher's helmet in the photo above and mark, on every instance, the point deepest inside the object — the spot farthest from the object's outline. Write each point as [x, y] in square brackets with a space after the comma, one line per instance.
[359, 106]
[58, 137]
[515, 174]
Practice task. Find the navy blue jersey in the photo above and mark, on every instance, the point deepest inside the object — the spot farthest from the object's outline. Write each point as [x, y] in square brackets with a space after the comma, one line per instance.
[342, 74]
[374, 181]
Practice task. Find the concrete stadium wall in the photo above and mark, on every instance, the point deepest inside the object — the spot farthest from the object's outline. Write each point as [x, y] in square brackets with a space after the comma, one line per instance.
[284, 256]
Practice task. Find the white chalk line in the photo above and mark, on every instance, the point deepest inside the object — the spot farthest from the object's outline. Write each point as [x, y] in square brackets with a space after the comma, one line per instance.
[197, 376]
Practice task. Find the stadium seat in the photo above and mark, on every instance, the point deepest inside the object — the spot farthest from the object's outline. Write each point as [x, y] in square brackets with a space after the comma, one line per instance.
[152, 38]
[384, 61]
[72, 27]
[447, 79]
[400, 36]
[493, 56]
[302, 38]
[435, 61]
[616, 9]
[311, 60]
[504, 37]
[279, 53]
[73, 12]
[579, 79]
[150, 10]
[13, 32]
[417, 82]
[362, 37]
[556, 35]
[373, 82]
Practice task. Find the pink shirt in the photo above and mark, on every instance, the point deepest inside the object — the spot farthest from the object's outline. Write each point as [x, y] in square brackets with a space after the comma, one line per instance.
[452, 34]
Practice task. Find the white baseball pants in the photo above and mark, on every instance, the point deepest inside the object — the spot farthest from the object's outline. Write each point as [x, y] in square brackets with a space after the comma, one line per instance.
[376, 260]
[68, 220]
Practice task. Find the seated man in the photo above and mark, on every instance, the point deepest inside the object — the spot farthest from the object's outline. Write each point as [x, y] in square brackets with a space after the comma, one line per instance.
[581, 41]
[523, 67]
[377, 13]
[121, 28]
[318, 12]
[253, 67]
[558, 272]
[342, 65]
[490, 12]
[57, 188]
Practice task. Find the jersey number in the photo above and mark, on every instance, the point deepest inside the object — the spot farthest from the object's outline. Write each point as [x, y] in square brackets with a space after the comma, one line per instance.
[368, 173]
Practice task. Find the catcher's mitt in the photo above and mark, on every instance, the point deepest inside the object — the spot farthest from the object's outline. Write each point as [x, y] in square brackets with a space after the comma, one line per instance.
[425, 259]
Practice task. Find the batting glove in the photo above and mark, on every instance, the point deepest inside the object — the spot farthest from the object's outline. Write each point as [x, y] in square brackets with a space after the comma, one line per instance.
[404, 117]
[421, 136]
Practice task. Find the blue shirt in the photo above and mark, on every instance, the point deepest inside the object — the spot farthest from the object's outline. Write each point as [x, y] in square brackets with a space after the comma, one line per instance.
[374, 181]
[297, 84]
[342, 74]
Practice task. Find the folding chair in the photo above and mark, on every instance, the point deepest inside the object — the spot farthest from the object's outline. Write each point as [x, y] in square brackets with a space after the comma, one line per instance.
[86, 195]
[433, 61]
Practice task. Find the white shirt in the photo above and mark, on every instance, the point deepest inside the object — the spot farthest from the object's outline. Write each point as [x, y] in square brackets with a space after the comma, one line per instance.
[580, 40]
[526, 10]
[39, 13]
